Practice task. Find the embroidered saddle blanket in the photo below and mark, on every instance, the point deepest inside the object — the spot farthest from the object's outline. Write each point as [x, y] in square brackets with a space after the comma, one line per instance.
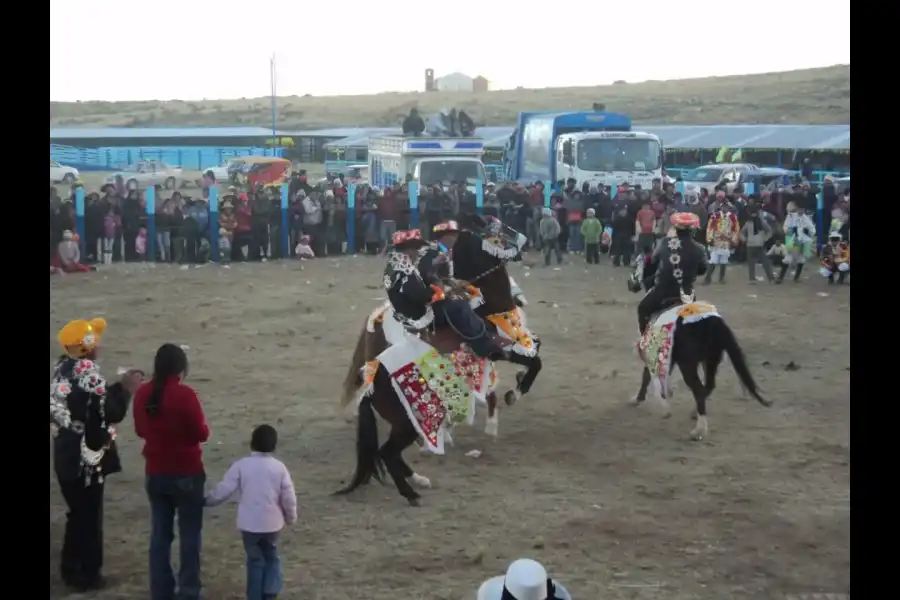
[512, 331]
[435, 389]
[655, 345]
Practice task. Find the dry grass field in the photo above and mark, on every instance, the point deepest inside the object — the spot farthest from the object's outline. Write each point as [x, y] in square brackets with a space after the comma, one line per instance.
[613, 499]
[812, 96]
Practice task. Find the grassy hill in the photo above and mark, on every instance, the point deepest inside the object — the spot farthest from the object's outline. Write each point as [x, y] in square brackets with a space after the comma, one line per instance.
[812, 96]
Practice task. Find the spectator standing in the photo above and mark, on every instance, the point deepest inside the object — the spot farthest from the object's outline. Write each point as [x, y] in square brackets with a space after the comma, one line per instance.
[645, 226]
[592, 231]
[550, 229]
[623, 232]
[267, 503]
[755, 233]
[169, 418]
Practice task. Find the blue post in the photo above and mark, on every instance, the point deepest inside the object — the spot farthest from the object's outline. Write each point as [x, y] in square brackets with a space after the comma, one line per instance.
[779, 159]
[613, 190]
[351, 218]
[820, 219]
[413, 204]
[150, 201]
[285, 226]
[479, 196]
[214, 223]
[749, 189]
[679, 187]
[548, 193]
[79, 218]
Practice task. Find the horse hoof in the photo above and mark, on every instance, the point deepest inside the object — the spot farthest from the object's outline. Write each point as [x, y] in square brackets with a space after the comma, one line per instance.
[414, 501]
[696, 437]
[420, 481]
[510, 397]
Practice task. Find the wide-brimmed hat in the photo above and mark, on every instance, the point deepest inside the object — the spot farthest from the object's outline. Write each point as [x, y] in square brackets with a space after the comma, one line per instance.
[407, 239]
[525, 579]
[685, 220]
[78, 338]
[446, 227]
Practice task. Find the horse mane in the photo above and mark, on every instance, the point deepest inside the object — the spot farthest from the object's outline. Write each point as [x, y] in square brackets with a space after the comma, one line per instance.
[368, 346]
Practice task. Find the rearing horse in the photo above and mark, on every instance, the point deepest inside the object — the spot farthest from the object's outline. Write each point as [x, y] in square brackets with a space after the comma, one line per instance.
[474, 263]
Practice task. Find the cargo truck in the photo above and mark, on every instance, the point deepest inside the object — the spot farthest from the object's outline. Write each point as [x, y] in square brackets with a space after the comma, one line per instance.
[428, 160]
[597, 147]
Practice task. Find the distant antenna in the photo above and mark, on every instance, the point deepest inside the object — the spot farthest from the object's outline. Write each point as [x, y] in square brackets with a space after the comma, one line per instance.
[429, 80]
[599, 107]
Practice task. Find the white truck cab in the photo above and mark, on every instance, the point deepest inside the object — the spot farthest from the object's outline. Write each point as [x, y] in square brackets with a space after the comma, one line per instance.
[427, 160]
[610, 157]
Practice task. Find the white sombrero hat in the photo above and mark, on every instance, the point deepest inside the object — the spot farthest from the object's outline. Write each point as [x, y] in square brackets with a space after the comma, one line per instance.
[525, 579]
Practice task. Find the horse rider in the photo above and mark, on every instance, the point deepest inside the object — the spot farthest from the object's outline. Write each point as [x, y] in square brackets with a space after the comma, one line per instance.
[676, 264]
[419, 300]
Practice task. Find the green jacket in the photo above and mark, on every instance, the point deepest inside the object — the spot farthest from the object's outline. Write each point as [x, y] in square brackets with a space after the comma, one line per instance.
[591, 230]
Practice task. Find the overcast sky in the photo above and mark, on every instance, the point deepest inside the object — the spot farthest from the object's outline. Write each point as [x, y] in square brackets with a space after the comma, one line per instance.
[194, 49]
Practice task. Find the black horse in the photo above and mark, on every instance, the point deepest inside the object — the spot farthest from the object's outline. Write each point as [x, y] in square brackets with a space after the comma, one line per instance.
[698, 343]
[488, 273]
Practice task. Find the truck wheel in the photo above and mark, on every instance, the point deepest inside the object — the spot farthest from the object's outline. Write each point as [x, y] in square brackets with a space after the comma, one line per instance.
[171, 184]
[69, 179]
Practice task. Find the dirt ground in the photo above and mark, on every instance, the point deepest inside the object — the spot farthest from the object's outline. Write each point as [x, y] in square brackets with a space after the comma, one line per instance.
[615, 501]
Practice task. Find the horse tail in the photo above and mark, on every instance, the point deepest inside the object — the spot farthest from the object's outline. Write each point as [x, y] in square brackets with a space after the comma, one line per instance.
[725, 336]
[368, 462]
[368, 346]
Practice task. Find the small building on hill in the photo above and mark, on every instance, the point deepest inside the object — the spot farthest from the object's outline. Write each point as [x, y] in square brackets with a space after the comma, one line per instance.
[454, 82]
[480, 84]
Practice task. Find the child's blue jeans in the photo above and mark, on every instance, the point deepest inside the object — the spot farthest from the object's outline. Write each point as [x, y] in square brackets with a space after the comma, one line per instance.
[263, 565]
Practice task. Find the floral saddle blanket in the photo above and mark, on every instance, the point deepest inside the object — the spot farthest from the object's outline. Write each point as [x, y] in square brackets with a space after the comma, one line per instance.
[435, 389]
[513, 331]
[479, 373]
[655, 345]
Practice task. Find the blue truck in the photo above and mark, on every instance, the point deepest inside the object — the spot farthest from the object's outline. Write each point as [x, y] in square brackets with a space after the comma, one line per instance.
[597, 147]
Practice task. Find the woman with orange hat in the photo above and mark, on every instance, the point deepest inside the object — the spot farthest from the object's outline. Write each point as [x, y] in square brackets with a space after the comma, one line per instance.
[83, 408]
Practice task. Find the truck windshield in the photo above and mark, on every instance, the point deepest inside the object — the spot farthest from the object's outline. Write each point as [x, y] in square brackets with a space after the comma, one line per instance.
[440, 171]
[618, 154]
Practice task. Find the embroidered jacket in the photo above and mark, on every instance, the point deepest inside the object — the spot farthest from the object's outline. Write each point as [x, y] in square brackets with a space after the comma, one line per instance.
[800, 226]
[723, 230]
[408, 292]
[82, 410]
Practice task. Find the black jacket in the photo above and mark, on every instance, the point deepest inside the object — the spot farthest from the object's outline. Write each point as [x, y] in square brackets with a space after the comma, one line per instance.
[84, 411]
[692, 264]
[407, 290]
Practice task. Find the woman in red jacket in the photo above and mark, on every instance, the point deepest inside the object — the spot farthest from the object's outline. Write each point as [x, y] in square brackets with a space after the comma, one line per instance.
[170, 420]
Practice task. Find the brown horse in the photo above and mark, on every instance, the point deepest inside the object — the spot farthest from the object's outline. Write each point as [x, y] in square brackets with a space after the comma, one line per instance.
[372, 459]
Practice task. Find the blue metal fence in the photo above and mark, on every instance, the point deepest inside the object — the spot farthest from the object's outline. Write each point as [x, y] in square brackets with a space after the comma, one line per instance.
[114, 158]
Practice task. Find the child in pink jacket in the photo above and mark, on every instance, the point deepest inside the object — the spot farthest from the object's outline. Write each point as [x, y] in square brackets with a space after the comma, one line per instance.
[267, 502]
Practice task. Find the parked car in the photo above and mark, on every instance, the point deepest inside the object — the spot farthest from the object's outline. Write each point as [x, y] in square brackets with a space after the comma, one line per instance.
[710, 176]
[145, 173]
[224, 171]
[767, 179]
[62, 173]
